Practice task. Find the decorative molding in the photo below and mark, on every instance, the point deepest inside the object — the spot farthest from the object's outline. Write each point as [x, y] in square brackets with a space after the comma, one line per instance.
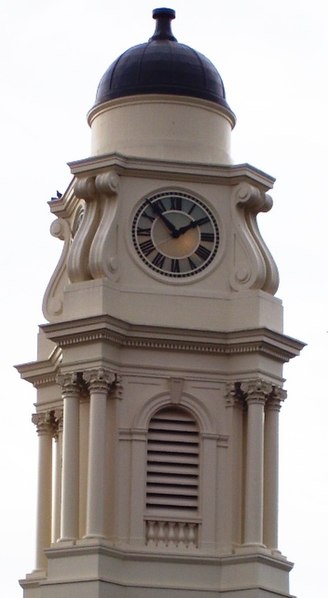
[256, 391]
[231, 174]
[103, 259]
[93, 251]
[45, 422]
[171, 534]
[78, 259]
[99, 380]
[253, 265]
[108, 183]
[52, 305]
[85, 188]
[222, 441]
[71, 384]
[176, 388]
[234, 396]
[107, 329]
[116, 391]
[42, 373]
[139, 434]
[276, 398]
[58, 418]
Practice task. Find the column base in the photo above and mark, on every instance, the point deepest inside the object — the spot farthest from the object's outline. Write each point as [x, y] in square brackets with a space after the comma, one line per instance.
[94, 537]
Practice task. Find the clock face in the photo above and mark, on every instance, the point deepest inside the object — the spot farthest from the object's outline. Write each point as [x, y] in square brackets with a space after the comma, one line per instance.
[175, 234]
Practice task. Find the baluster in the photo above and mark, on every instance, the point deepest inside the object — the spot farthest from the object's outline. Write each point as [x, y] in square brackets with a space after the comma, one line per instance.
[171, 535]
[150, 533]
[181, 535]
[191, 535]
[161, 533]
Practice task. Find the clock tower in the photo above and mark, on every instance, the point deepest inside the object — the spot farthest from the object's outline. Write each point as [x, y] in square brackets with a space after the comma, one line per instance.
[159, 370]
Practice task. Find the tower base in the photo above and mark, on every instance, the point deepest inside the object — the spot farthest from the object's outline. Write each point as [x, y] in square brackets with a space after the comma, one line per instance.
[98, 570]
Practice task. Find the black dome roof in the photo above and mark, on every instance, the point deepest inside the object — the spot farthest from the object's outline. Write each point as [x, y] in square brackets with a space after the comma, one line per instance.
[162, 66]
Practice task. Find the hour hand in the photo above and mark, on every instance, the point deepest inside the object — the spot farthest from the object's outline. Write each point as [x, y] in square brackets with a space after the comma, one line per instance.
[192, 224]
[162, 216]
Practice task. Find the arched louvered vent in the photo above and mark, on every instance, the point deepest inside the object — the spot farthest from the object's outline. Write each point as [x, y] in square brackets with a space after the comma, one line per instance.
[172, 462]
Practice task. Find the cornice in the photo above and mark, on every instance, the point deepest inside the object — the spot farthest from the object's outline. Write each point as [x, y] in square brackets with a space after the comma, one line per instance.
[41, 373]
[111, 330]
[66, 204]
[230, 174]
[103, 547]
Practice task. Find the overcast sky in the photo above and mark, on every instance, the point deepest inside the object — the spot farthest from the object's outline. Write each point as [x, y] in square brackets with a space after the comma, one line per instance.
[272, 56]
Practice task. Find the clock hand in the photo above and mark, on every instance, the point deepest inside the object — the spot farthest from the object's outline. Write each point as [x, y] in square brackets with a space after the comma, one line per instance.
[164, 219]
[192, 224]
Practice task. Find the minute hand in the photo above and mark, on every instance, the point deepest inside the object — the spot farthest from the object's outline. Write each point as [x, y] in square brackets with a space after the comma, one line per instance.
[192, 224]
[162, 216]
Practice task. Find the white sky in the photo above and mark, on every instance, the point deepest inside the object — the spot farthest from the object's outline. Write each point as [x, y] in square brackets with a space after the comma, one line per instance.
[272, 55]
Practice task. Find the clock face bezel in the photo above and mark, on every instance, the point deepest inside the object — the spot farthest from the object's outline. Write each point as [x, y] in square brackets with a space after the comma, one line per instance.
[162, 245]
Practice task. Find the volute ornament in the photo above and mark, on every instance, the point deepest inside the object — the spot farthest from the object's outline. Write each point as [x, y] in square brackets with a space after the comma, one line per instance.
[253, 265]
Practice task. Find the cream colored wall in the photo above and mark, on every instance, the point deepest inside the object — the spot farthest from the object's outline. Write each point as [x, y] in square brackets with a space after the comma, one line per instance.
[162, 127]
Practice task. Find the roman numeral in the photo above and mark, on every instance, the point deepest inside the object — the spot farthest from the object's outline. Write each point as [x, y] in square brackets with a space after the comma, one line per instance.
[202, 221]
[202, 252]
[175, 265]
[176, 202]
[148, 216]
[147, 247]
[159, 206]
[143, 232]
[207, 237]
[193, 206]
[159, 260]
[191, 263]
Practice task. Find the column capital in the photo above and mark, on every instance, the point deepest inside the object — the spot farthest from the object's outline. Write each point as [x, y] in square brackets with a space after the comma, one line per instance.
[256, 391]
[44, 422]
[70, 383]
[234, 395]
[58, 418]
[276, 398]
[99, 379]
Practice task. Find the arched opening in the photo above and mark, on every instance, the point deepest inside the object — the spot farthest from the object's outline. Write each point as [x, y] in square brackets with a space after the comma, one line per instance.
[172, 481]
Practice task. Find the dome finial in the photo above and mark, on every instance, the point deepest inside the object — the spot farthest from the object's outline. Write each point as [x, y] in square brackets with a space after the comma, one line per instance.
[163, 18]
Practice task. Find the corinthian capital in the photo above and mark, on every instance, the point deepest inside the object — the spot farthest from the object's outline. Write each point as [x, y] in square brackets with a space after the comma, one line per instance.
[275, 398]
[256, 391]
[100, 379]
[234, 395]
[70, 384]
[58, 422]
[43, 422]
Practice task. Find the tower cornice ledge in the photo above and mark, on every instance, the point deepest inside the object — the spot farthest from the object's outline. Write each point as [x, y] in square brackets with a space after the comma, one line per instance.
[42, 372]
[230, 174]
[105, 328]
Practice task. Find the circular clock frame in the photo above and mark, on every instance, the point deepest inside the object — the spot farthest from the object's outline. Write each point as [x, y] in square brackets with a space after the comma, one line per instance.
[175, 234]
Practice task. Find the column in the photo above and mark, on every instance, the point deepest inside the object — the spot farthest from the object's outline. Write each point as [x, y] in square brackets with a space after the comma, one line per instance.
[271, 467]
[58, 437]
[256, 392]
[43, 422]
[99, 382]
[69, 519]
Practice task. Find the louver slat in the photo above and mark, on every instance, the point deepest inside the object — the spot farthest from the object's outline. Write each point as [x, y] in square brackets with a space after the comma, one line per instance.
[173, 461]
